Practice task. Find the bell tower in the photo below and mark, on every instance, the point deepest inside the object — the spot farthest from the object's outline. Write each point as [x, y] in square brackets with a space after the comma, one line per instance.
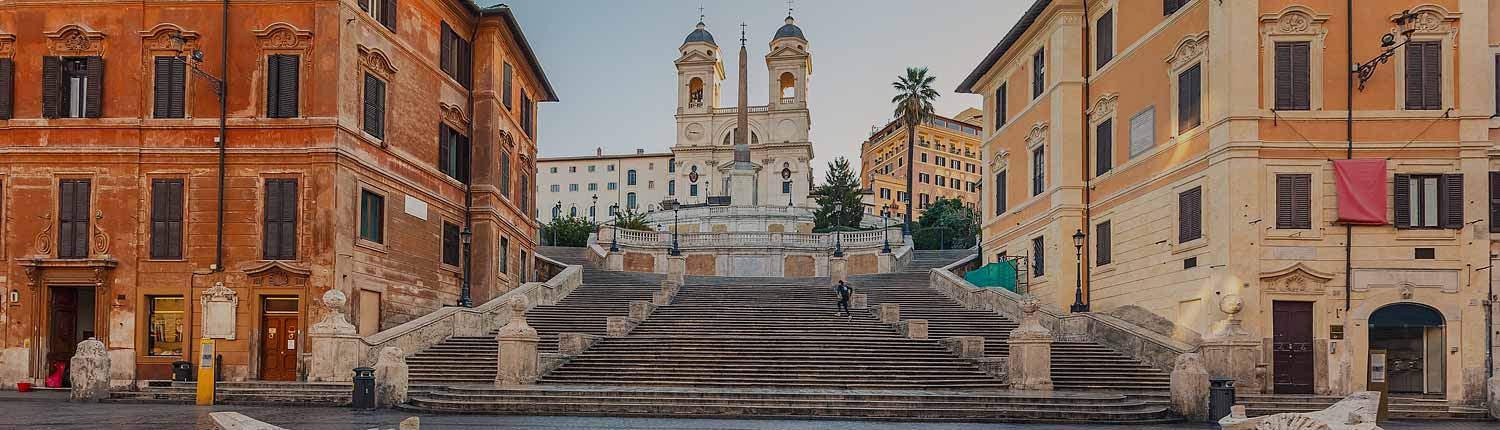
[789, 65]
[700, 69]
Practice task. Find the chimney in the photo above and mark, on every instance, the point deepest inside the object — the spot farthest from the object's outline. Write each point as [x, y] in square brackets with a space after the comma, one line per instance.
[639, 151]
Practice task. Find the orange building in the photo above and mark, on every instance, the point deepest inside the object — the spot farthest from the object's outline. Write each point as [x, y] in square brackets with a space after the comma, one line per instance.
[947, 163]
[347, 165]
[1190, 144]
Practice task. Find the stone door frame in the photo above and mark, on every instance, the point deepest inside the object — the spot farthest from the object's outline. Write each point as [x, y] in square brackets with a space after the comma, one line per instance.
[42, 274]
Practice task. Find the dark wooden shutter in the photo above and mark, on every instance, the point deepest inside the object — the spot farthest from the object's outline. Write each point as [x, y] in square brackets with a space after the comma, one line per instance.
[463, 158]
[1424, 75]
[1102, 244]
[166, 218]
[7, 88]
[1451, 204]
[1104, 142]
[1000, 203]
[1169, 7]
[1293, 201]
[73, 218]
[444, 142]
[1000, 107]
[94, 92]
[388, 14]
[287, 85]
[1401, 188]
[1104, 50]
[504, 174]
[450, 244]
[465, 63]
[445, 46]
[51, 87]
[1038, 257]
[273, 86]
[280, 236]
[169, 82]
[506, 95]
[1038, 72]
[1292, 74]
[1189, 98]
[374, 106]
[1190, 215]
[1495, 202]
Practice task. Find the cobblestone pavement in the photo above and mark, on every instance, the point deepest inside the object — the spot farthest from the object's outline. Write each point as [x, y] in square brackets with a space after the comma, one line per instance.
[48, 413]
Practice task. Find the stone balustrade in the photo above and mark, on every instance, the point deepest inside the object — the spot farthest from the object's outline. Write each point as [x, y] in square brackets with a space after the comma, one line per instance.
[626, 238]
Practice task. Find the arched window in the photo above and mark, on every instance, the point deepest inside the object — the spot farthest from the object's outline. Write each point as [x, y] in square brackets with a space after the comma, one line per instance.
[573, 211]
[556, 212]
[788, 87]
[729, 138]
[630, 201]
[671, 187]
[672, 165]
[695, 93]
[630, 177]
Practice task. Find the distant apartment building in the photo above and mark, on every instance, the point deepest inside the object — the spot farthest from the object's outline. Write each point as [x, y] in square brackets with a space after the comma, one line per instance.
[591, 186]
[947, 163]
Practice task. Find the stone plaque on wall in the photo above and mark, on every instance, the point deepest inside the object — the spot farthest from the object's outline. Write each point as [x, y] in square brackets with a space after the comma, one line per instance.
[219, 307]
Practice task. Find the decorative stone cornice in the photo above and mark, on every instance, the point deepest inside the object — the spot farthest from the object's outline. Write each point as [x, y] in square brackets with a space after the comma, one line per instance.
[375, 60]
[75, 39]
[7, 45]
[1432, 19]
[276, 264]
[1103, 107]
[160, 37]
[1294, 20]
[1190, 48]
[1037, 135]
[454, 115]
[284, 36]
[1296, 278]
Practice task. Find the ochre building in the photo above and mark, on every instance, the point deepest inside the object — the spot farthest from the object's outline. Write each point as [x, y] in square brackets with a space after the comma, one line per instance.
[947, 163]
[363, 138]
[1192, 146]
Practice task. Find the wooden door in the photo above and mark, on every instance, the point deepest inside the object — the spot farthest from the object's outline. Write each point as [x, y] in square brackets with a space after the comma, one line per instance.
[62, 338]
[1291, 344]
[279, 334]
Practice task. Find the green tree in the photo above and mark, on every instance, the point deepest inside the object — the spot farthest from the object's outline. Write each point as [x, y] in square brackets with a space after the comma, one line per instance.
[913, 102]
[841, 187]
[946, 224]
[568, 231]
[631, 220]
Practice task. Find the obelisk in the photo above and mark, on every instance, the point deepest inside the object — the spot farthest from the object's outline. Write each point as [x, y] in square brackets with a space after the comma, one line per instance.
[742, 176]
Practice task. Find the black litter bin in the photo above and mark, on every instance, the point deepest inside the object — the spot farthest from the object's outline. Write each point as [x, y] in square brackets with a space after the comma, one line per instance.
[182, 371]
[364, 389]
[1220, 398]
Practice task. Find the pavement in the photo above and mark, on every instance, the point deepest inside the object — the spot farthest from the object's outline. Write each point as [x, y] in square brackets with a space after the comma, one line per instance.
[50, 410]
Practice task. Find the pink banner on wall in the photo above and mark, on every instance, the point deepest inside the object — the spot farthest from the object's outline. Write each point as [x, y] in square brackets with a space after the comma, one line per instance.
[1361, 191]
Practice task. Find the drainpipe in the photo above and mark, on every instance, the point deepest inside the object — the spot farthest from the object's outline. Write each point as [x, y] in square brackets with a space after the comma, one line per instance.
[467, 299]
[1087, 187]
[223, 104]
[1349, 148]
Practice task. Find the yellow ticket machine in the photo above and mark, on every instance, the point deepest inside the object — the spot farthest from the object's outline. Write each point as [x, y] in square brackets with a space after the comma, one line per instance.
[206, 372]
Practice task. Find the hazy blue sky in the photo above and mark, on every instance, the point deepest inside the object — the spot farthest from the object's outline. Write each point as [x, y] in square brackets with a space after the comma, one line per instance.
[611, 62]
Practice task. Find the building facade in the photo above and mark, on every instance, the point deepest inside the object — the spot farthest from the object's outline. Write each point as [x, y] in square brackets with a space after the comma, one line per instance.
[947, 163]
[1193, 148]
[363, 139]
[589, 186]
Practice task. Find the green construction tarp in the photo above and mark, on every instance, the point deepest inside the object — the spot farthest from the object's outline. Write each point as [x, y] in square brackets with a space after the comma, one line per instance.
[1000, 274]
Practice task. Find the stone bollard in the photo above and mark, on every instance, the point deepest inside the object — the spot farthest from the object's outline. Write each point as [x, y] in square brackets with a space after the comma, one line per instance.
[914, 329]
[619, 326]
[641, 309]
[1493, 388]
[1233, 352]
[517, 361]
[964, 346]
[859, 301]
[413, 423]
[391, 381]
[676, 271]
[573, 344]
[336, 347]
[614, 261]
[838, 269]
[661, 298]
[1030, 351]
[1190, 388]
[890, 313]
[89, 372]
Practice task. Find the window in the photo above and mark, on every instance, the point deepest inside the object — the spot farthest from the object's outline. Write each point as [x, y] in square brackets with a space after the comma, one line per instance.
[1169, 7]
[166, 219]
[1001, 205]
[169, 87]
[885, 193]
[1293, 201]
[1189, 98]
[573, 211]
[382, 10]
[283, 72]
[524, 263]
[942, 181]
[1038, 257]
[556, 211]
[453, 153]
[505, 86]
[525, 193]
[454, 56]
[592, 168]
[1102, 244]
[941, 161]
[552, 170]
[528, 116]
[953, 164]
[593, 211]
[75, 87]
[168, 328]
[504, 174]
[671, 187]
[1429, 201]
[1001, 111]
[572, 169]
[1190, 215]
[1038, 170]
[452, 242]
[374, 106]
[5, 108]
[279, 239]
[612, 186]
[8, 88]
[371, 216]
[630, 177]
[924, 157]
[1104, 40]
[630, 201]
[1104, 145]
[924, 199]
[923, 178]
[672, 165]
[73, 218]
[1142, 131]
[693, 190]
[1292, 76]
[1038, 72]
[1495, 202]
[504, 254]
[593, 186]
[1424, 75]
[573, 188]
[609, 168]
[556, 188]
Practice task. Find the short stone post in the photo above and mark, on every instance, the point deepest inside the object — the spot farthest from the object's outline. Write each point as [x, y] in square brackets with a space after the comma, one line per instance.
[641, 309]
[890, 313]
[676, 272]
[1492, 387]
[336, 347]
[614, 261]
[964, 346]
[859, 301]
[517, 361]
[838, 269]
[1190, 388]
[1233, 352]
[914, 329]
[573, 344]
[1030, 351]
[413, 423]
[618, 326]
[89, 372]
[391, 381]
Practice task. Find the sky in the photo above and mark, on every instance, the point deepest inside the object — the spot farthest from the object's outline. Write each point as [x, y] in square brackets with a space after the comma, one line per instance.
[611, 63]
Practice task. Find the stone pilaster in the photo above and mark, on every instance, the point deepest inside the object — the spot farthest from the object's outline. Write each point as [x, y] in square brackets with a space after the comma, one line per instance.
[838, 269]
[89, 372]
[1233, 352]
[391, 381]
[517, 361]
[1493, 390]
[1030, 351]
[1190, 388]
[335, 346]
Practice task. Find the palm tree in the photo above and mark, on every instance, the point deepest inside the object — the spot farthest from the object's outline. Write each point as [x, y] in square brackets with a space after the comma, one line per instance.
[913, 102]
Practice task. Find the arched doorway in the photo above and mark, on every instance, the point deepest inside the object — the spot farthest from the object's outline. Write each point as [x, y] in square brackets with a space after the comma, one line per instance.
[1412, 336]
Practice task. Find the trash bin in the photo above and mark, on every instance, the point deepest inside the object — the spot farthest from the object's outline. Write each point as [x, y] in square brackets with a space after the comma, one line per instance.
[182, 371]
[364, 389]
[1220, 398]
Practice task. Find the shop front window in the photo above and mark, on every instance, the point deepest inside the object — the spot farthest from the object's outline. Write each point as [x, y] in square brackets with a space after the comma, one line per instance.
[168, 328]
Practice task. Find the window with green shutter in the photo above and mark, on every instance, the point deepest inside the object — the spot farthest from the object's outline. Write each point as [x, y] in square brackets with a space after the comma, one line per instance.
[371, 216]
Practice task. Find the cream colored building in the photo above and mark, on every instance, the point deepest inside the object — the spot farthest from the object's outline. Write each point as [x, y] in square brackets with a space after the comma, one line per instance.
[566, 186]
[1219, 121]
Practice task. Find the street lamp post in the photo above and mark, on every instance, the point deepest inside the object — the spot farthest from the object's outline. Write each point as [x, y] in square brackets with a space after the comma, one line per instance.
[838, 236]
[556, 212]
[786, 175]
[885, 229]
[676, 251]
[467, 238]
[593, 217]
[217, 86]
[614, 230]
[1078, 304]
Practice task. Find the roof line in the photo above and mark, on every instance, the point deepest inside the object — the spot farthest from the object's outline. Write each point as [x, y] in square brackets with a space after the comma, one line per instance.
[604, 157]
[1005, 44]
[503, 11]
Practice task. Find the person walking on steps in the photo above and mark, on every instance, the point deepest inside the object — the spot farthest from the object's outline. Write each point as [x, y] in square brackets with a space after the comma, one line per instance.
[844, 292]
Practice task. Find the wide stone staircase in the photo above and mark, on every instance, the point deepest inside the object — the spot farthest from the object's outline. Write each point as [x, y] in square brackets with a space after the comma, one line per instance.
[1076, 365]
[1402, 406]
[266, 393]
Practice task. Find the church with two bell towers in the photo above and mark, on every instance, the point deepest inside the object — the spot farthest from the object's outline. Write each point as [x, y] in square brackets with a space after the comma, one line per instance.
[772, 137]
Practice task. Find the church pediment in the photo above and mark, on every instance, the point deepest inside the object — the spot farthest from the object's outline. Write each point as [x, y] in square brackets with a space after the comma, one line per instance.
[787, 52]
[729, 165]
[695, 57]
